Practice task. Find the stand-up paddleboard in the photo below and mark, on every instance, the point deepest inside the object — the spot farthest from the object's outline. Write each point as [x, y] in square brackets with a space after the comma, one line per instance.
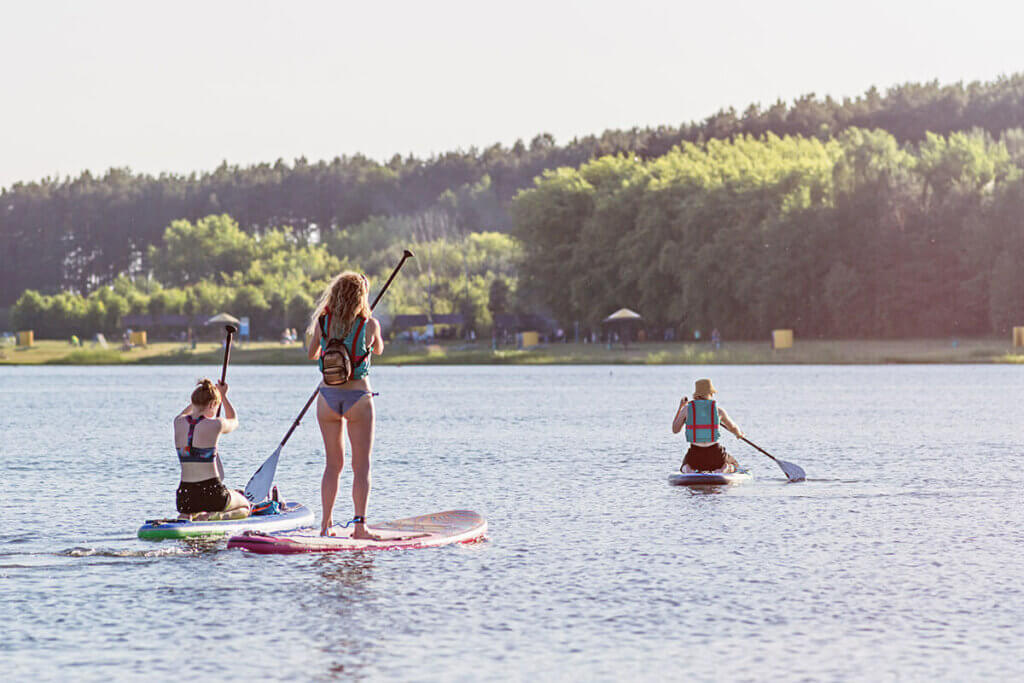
[292, 516]
[709, 478]
[425, 531]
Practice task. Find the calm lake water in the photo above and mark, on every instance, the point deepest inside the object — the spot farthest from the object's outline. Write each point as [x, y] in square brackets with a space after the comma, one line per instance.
[901, 557]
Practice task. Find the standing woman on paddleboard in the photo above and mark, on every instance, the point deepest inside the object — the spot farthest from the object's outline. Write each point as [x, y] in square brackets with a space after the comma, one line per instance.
[196, 432]
[702, 417]
[342, 335]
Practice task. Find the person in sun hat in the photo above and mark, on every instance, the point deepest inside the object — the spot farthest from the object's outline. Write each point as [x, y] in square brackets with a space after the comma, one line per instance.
[702, 418]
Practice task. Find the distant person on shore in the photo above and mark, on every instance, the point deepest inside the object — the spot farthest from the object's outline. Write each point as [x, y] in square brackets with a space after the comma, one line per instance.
[342, 335]
[197, 429]
[701, 418]
[716, 338]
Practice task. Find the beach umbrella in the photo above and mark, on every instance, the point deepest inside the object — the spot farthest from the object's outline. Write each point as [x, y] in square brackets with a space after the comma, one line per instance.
[222, 318]
[623, 314]
[623, 320]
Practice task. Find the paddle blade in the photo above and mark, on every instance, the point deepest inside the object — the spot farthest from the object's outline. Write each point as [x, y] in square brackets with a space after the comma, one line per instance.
[258, 488]
[792, 472]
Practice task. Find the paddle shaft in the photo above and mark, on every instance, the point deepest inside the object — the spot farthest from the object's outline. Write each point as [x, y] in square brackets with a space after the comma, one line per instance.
[231, 329]
[792, 472]
[405, 256]
[759, 448]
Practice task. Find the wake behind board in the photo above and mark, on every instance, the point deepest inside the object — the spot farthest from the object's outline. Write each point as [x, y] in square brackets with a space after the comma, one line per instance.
[709, 478]
[425, 531]
[292, 516]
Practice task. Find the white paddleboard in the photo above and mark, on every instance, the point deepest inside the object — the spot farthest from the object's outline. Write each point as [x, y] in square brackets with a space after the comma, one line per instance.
[709, 478]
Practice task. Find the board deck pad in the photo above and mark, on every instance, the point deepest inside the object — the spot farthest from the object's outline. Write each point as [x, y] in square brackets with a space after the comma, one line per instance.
[292, 516]
[709, 478]
[424, 531]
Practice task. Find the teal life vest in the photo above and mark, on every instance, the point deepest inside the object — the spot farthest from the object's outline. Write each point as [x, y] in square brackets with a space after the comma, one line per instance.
[702, 421]
[347, 358]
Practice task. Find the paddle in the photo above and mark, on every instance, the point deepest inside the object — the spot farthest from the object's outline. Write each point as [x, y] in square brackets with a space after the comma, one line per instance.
[792, 472]
[230, 329]
[259, 485]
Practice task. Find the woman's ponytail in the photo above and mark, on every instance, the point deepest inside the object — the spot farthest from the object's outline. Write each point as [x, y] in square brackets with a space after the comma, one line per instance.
[205, 393]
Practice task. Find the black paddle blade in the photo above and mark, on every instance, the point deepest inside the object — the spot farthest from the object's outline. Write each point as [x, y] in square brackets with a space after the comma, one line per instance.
[792, 472]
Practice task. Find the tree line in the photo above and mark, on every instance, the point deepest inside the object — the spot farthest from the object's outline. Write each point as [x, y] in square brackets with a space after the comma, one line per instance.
[856, 235]
[212, 265]
[79, 234]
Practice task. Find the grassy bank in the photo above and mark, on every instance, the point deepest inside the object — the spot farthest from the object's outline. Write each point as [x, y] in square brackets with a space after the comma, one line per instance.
[805, 352]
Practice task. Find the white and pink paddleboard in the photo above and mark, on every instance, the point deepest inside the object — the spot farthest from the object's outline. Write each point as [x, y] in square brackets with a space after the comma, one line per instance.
[425, 531]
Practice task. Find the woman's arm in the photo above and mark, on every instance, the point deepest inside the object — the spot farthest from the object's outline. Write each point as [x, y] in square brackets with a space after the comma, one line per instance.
[313, 352]
[229, 422]
[723, 419]
[680, 419]
[376, 338]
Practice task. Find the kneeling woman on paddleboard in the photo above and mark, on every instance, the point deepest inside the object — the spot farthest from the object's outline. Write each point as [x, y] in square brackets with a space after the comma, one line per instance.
[196, 432]
[702, 417]
[342, 334]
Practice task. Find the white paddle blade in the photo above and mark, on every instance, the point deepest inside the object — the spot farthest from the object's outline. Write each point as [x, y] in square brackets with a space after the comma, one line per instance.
[258, 488]
[792, 472]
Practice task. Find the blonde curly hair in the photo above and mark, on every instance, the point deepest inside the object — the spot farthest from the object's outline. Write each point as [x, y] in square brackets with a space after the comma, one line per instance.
[346, 299]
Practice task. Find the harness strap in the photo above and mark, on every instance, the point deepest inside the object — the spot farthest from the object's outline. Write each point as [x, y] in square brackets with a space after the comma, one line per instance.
[356, 358]
[192, 422]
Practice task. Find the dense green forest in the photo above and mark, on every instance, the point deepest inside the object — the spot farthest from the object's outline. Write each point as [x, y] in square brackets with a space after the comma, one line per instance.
[212, 265]
[881, 215]
[851, 236]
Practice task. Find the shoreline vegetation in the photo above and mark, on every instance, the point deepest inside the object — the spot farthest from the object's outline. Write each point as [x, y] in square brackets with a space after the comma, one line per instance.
[891, 215]
[807, 352]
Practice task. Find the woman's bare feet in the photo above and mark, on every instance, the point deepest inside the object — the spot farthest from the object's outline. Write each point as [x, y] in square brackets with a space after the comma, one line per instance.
[360, 532]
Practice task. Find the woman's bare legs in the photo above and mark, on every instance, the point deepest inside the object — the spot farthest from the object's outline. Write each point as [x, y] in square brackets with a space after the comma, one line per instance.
[360, 420]
[236, 501]
[331, 428]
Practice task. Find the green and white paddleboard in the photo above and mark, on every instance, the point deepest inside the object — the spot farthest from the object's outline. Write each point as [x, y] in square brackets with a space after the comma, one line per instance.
[292, 516]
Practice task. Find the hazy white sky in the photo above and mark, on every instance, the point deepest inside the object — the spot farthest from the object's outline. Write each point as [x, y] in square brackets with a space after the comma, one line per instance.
[181, 86]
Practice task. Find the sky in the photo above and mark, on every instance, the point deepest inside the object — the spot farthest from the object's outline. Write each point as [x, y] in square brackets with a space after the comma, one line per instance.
[180, 87]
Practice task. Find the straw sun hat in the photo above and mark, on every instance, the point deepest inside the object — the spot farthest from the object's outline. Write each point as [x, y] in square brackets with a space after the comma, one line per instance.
[704, 387]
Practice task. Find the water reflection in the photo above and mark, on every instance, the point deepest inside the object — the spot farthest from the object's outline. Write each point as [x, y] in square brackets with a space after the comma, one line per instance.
[203, 546]
[345, 588]
[706, 490]
[349, 569]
